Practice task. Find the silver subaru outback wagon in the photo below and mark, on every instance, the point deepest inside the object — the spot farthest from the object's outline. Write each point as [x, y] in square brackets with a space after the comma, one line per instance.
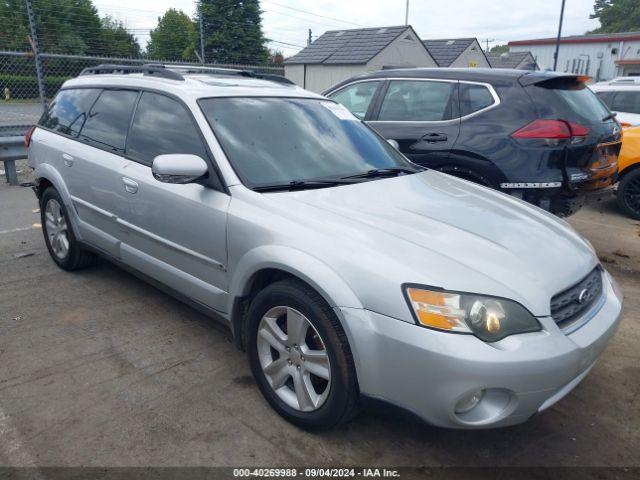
[346, 272]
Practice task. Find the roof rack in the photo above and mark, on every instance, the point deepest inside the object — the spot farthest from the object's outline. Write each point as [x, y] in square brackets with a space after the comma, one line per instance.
[147, 69]
[176, 72]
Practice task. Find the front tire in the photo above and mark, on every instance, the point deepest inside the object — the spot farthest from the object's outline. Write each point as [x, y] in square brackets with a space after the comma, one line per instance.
[300, 357]
[628, 195]
[63, 247]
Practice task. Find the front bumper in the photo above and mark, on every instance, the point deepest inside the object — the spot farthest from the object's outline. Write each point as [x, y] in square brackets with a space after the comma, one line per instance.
[427, 372]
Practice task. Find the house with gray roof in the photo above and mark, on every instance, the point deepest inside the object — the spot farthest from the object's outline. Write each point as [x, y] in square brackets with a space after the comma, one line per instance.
[457, 52]
[340, 54]
[517, 60]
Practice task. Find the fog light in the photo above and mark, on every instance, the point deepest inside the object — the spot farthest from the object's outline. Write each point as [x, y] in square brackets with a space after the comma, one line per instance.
[469, 402]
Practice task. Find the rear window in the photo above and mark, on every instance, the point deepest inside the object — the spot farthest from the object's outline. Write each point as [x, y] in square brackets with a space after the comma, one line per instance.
[68, 111]
[568, 99]
[628, 102]
[474, 98]
[417, 101]
[108, 120]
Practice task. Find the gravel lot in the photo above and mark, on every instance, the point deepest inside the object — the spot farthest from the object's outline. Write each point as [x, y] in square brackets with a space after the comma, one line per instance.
[98, 368]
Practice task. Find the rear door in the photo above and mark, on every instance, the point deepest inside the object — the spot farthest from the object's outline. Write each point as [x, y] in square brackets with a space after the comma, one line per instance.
[421, 115]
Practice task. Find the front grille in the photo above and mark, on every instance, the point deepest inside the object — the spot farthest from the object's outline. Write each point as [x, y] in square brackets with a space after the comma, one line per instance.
[568, 306]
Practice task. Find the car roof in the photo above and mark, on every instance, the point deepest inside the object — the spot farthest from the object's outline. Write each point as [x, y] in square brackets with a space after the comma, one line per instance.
[194, 85]
[617, 87]
[486, 75]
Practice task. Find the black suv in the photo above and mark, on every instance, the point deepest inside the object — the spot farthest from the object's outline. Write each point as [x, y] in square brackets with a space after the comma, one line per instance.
[540, 136]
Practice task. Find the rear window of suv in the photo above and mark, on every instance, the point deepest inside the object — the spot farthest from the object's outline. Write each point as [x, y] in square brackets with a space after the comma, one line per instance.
[569, 100]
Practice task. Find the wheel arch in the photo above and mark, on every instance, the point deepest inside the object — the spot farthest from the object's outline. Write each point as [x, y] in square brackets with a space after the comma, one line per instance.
[265, 265]
[48, 176]
[475, 168]
[631, 168]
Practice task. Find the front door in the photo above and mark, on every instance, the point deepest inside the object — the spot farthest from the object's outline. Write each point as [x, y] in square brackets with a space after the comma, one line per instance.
[173, 233]
[422, 116]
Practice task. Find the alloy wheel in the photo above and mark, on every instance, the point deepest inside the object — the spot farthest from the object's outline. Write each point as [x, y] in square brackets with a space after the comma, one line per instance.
[56, 229]
[294, 359]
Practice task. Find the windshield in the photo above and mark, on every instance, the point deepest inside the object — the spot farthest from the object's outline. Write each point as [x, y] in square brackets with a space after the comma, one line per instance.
[282, 140]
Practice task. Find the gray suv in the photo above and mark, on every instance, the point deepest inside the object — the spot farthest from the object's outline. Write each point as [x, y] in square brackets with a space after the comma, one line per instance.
[345, 271]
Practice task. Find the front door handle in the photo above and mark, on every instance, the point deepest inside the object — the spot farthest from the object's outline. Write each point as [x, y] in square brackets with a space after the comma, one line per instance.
[435, 137]
[67, 159]
[129, 185]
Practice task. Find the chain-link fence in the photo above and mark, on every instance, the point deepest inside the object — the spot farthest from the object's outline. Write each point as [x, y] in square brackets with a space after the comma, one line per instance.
[36, 37]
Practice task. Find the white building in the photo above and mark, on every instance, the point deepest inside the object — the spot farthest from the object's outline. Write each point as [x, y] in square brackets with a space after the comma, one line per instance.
[340, 54]
[601, 56]
[457, 53]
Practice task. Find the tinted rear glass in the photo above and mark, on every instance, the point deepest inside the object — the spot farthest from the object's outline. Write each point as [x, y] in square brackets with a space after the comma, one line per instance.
[109, 118]
[68, 111]
[474, 98]
[569, 100]
[628, 102]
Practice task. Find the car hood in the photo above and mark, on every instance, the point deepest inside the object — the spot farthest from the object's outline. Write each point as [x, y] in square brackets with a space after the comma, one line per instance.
[434, 229]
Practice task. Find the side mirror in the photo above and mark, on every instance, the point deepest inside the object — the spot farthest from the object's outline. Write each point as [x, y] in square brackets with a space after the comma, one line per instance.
[178, 168]
[394, 144]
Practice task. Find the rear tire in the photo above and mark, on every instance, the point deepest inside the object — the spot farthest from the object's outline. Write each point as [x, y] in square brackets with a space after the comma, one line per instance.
[318, 391]
[628, 196]
[63, 247]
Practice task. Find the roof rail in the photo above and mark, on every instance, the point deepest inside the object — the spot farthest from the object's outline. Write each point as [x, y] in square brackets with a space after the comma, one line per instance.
[188, 69]
[154, 69]
[176, 72]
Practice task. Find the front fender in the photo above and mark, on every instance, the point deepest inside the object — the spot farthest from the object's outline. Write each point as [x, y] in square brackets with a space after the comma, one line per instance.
[49, 173]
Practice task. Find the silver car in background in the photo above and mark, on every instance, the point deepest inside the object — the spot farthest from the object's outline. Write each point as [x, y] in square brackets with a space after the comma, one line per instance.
[345, 271]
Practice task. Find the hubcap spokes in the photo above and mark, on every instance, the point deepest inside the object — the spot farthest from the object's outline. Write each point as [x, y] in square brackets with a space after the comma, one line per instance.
[56, 229]
[294, 359]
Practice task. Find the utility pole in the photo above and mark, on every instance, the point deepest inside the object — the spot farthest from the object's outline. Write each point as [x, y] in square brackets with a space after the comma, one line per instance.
[406, 14]
[202, 60]
[487, 40]
[555, 55]
[33, 39]
[309, 39]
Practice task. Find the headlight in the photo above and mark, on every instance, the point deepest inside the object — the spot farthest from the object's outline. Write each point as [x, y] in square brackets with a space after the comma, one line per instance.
[488, 318]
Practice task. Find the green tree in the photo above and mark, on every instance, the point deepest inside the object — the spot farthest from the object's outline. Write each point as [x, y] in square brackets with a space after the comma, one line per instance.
[233, 31]
[116, 41]
[173, 37]
[499, 49]
[617, 15]
[64, 26]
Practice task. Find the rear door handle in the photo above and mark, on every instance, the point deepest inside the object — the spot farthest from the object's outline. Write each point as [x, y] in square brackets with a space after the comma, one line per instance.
[435, 137]
[130, 185]
[67, 159]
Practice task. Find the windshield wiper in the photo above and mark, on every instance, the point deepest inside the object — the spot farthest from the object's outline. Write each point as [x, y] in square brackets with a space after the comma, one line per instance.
[301, 185]
[610, 116]
[383, 172]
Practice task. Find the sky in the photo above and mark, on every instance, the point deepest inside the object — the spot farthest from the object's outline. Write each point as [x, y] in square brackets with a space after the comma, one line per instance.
[286, 22]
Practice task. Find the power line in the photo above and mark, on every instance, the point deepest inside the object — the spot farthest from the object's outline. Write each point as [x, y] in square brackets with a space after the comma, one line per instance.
[317, 14]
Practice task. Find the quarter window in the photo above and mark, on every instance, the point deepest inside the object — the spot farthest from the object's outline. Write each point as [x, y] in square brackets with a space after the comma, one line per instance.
[418, 101]
[160, 126]
[109, 118]
[357, 98]
[474, 98]
[628, 102]
[68, 111]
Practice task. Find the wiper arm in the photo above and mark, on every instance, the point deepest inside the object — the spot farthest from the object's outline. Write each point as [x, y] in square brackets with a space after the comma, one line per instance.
[610, 116]
[383, 172]
[301, 185]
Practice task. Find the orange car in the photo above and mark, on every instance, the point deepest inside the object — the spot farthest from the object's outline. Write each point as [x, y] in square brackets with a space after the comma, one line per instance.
[629, 169]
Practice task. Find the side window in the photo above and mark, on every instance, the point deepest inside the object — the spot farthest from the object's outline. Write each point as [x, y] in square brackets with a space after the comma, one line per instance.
[474, 98]
[628, 102]
[356, 98]
[68, 111]
[418, 101]
[161, 125]
[108, 120]
[605, 97]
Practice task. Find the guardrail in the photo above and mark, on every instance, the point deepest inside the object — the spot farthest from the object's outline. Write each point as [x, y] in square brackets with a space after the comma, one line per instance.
[12, 149]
